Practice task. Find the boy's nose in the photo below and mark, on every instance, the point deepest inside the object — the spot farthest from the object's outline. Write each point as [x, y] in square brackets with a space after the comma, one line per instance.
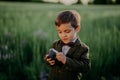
[64, 35]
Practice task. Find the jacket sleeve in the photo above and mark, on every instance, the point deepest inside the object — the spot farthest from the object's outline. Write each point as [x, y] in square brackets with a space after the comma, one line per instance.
[80, 61]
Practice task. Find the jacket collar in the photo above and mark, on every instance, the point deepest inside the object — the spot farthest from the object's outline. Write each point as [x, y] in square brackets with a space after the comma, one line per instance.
[72, 49]
[77, 42]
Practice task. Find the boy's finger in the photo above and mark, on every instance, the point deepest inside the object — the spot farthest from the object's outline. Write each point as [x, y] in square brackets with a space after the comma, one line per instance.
[48, 59]
[52, 62]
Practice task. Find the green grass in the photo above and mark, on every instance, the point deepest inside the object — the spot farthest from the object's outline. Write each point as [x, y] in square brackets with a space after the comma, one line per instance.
[27, 31]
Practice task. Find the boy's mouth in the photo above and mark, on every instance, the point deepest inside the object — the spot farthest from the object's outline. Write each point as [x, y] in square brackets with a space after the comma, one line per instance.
[65, 40]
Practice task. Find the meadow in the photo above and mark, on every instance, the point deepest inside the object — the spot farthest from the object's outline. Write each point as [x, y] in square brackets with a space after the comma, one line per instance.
[27, 31]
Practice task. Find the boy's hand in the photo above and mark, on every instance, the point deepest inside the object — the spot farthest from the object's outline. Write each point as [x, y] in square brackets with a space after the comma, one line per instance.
[61, 57]
[50, 60]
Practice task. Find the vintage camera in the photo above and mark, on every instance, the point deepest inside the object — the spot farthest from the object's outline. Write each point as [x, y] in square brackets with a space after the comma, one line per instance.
[52, 53]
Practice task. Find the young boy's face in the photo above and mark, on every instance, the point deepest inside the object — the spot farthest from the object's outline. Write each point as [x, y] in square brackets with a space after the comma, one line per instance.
[66, 32]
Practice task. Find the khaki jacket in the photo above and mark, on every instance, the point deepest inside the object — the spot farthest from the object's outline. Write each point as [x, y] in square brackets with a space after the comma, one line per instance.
[77, 62]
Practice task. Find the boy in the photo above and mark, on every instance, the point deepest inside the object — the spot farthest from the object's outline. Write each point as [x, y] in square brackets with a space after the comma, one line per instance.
[72, 56]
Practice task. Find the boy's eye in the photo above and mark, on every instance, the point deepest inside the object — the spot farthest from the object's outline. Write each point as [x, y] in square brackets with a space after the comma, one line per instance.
[67, 31]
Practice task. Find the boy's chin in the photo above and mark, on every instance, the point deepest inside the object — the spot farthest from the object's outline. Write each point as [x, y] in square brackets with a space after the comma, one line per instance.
[66, 42]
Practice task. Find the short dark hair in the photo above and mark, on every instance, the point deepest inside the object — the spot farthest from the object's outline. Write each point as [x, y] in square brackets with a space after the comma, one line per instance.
[69, 16]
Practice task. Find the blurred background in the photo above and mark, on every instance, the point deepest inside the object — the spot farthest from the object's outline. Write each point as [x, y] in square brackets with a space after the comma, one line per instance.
[27, 30]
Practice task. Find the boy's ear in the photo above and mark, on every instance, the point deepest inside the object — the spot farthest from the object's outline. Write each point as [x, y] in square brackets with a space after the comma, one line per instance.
[78, 28]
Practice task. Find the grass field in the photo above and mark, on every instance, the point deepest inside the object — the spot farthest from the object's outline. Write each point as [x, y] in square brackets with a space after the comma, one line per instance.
[27, 31]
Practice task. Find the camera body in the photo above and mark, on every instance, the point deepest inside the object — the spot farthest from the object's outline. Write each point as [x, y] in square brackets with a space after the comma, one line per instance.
[52, 53]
